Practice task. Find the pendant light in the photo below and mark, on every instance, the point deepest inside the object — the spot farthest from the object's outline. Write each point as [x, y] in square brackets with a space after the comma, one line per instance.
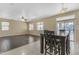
[63, 8]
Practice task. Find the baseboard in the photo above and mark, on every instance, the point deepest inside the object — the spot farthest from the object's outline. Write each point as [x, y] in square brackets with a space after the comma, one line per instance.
[33, 35]
[22, 34]
[13, 35]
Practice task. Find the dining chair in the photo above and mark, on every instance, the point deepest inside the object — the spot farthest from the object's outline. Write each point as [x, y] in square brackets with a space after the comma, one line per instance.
[52, 45]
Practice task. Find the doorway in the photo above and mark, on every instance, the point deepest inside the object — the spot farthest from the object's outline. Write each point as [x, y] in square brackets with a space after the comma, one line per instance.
[67, 26]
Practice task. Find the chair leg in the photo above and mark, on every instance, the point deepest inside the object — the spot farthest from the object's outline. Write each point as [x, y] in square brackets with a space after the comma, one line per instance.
[59, 50]
[51, 47]
[45, 48]
[55, 50]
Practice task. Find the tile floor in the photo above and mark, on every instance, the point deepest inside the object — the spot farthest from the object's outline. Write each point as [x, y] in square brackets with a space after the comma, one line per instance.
[33, 48]
[12, 42]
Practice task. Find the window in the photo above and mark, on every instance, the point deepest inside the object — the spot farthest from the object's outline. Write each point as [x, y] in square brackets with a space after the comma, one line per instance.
[31, 26]
[5, 25]
[40, 26]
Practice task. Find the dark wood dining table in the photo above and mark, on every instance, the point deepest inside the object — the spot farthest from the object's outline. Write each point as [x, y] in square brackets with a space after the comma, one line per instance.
[63, 43]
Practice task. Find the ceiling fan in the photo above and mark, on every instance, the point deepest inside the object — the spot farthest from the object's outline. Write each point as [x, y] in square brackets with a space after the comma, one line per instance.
[23, 18]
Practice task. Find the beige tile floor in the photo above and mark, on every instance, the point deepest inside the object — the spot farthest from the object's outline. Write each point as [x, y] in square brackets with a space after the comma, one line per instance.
[34, 49]
[74, 48]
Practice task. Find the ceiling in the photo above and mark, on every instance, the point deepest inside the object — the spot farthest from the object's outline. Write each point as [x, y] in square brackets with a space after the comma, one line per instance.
[33, 10]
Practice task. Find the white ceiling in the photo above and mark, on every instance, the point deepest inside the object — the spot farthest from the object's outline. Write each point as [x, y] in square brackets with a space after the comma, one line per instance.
[32, 10]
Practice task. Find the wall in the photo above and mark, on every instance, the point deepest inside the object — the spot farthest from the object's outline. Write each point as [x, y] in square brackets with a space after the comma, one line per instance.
[19, 28]
[15, 28]
[77, 27]
[50, 23]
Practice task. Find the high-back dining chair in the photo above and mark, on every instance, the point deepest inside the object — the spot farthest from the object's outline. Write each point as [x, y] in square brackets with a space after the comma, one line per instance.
[52, 43]
[48, 41]
[52, 46]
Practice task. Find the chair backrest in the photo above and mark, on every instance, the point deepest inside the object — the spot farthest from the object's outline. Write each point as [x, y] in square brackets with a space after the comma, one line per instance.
[48, 32]
[48, 35]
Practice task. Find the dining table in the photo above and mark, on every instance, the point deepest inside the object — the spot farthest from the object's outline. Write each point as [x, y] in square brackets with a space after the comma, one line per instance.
[57, 36]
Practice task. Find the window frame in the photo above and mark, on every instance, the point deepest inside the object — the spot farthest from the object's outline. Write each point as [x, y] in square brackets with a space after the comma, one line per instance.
[5, 26]
[31, 27]
[40, 26]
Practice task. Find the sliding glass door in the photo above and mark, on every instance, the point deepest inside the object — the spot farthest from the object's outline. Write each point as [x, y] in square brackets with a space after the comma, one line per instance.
[66, 26]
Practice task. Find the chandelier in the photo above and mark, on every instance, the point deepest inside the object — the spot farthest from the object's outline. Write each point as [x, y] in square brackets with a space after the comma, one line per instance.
[63, 8]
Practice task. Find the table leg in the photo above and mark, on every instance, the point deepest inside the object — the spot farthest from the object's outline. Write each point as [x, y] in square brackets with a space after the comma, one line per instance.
[63, 46]
[42, 44]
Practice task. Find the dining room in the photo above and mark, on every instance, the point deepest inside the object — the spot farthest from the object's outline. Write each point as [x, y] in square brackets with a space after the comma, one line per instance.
[39, 29]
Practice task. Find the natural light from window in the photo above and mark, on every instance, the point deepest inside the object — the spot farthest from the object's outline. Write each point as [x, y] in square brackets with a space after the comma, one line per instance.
[5, 26]
[31, 26]
[40, 26]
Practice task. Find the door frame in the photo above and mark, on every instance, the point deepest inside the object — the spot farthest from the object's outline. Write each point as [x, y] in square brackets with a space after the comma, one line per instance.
[70, 20]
